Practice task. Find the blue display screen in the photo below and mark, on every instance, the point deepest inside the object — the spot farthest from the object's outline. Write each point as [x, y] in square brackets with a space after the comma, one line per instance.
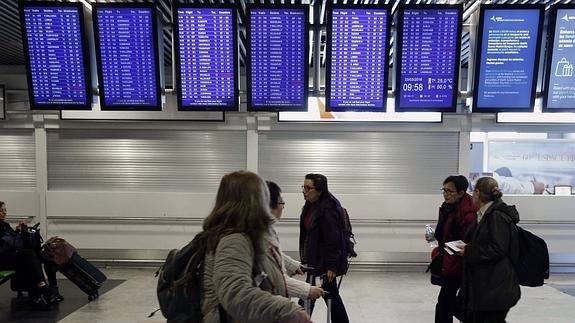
[56, 66]
[127, 58]
[277, 74]
[508, 59]
[206, 54]
[429, 57]
[357, 79]
[561, 85]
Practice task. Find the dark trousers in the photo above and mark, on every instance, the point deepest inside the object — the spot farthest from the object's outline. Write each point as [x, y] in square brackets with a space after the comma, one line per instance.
[487, 316]
[446, 306]
[338, 312]
[28, 267]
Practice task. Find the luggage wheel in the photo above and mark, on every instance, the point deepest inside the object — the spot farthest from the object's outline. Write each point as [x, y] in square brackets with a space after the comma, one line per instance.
[93, 296]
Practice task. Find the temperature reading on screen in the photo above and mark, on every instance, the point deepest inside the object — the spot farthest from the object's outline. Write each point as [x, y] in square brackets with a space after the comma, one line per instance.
[429, 56]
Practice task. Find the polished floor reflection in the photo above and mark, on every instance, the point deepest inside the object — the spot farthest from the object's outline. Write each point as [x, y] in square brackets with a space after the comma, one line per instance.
[369, 297]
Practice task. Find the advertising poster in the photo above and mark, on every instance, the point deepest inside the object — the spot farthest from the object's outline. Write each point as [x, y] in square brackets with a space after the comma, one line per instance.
[531, 167]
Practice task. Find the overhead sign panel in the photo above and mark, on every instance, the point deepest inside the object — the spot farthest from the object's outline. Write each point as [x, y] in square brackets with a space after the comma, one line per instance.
[277, 69]
[508, 57]
[428, 51]
[357, 58]
[57, 64]
[560, 78]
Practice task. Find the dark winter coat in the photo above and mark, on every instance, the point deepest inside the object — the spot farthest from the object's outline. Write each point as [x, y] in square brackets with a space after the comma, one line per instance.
[456, 222]
[8, 244]
[322, 246]
[490, 280]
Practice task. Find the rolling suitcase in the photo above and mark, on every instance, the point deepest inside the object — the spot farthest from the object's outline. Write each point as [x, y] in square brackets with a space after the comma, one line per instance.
[84, 275]
[307, 303]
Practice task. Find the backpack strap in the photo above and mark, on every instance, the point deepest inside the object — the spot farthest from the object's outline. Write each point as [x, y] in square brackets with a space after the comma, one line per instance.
[223, 314]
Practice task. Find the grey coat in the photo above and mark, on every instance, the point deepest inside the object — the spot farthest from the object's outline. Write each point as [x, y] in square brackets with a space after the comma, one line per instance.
[228, 281]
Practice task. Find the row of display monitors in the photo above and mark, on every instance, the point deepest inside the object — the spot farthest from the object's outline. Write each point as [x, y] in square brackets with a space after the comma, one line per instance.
[357, 57]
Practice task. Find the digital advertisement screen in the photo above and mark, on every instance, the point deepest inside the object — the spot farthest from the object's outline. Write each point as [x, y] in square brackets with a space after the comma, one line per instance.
[126, 49]
[57, 63]
[357, 57]
[509, 40]
[560, 79]
[277, 73]
[428, 47]
[206, 49]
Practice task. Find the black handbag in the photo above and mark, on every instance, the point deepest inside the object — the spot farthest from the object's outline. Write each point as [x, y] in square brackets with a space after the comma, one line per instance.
[435, 268]
[31, 238]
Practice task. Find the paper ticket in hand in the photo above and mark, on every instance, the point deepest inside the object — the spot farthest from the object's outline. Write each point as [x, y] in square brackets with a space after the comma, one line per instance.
[453, 247]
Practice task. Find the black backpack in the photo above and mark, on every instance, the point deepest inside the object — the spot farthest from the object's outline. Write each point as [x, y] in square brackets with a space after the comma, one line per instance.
[179, 288]
[533, 262]
[348, 237]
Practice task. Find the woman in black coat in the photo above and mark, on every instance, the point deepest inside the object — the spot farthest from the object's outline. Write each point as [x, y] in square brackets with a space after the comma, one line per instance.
[27, 264]
[490, 287]
[320, 243]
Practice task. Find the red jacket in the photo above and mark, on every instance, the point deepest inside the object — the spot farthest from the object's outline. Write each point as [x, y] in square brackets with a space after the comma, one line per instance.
[456, 222]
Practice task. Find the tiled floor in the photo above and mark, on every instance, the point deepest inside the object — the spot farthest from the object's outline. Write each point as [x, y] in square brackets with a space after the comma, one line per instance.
[369, 297]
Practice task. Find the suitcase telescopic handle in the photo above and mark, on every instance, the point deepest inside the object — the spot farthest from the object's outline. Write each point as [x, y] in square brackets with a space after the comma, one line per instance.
[307, 269]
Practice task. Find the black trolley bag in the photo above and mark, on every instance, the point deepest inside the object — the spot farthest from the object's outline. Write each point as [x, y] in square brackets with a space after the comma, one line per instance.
[327, 297]
[84, 275]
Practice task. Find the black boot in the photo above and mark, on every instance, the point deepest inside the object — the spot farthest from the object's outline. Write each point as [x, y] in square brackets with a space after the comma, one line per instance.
[55, 296]
[51, 295]
[39, 303]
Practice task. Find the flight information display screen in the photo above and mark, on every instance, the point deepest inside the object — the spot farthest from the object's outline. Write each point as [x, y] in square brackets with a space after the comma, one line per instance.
[560, 79]
[277, 74]
[206, 49]
[57, 62]
[428, 47]
[508, 58]
[357, 57]
[126, 49]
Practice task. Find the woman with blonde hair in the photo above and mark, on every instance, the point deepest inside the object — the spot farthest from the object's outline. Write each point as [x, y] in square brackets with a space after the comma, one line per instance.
[490, 287]
[243, 281]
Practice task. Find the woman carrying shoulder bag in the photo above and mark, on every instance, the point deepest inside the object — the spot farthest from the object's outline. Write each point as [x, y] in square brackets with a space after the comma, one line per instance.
[457, 219]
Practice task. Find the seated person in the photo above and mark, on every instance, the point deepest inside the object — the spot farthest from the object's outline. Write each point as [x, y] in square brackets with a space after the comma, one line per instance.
[28, 264]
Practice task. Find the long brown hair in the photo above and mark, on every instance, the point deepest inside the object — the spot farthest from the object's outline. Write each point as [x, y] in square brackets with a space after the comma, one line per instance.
[242, 205]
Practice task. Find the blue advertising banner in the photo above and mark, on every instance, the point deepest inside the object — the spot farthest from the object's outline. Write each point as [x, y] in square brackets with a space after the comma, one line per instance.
[560, 95]
[508, 59]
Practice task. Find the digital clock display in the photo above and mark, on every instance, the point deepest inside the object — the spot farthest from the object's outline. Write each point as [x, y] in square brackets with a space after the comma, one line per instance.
[429, 51]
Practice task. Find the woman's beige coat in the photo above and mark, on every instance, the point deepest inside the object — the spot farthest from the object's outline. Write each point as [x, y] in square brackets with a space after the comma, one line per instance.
[228, 280]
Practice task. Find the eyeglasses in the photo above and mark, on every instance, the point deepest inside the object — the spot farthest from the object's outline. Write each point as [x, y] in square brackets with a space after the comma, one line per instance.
[282, 203]
[307, 188]
[448, 191]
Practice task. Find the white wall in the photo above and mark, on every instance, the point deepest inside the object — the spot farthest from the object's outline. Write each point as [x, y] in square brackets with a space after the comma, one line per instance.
[389, 227]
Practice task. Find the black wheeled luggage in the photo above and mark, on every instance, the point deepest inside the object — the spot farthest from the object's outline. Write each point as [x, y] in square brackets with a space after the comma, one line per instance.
[84, 275]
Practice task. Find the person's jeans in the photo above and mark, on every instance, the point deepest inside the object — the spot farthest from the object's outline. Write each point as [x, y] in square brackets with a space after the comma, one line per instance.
[338, 312]
[446, 306]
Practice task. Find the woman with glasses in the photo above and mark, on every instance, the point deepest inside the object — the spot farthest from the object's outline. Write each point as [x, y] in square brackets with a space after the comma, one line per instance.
[457, 219]
[295, 287]
[320, 243]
